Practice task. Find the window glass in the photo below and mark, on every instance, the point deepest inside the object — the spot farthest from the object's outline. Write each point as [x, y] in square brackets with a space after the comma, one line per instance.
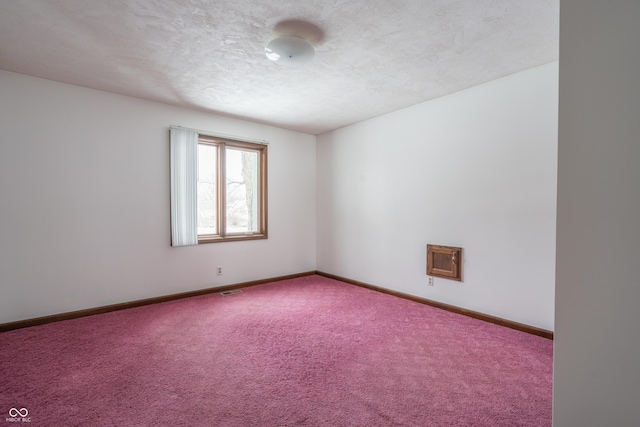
[207, 189]
[243, 210]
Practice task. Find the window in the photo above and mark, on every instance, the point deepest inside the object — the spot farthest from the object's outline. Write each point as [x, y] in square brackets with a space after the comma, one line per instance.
[231, 190]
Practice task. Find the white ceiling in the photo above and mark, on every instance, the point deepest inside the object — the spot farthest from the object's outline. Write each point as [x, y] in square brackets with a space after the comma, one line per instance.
[372, 56]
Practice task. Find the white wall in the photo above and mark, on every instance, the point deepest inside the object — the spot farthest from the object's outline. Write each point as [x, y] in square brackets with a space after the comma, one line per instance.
[85, 201]
[597, 346]
[475, 169]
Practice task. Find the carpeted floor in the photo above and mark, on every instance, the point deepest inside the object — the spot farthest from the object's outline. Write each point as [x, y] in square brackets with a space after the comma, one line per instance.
[304, 352]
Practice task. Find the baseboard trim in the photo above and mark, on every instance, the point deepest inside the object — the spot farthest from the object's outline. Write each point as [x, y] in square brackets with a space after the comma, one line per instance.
[4, 327]
[470, 313]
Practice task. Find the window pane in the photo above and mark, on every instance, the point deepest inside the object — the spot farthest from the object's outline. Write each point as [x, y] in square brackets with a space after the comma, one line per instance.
[207, 189]
[242, 168]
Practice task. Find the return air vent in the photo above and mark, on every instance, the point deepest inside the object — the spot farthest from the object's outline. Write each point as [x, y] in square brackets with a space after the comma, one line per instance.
[445, 262]
[231, 292]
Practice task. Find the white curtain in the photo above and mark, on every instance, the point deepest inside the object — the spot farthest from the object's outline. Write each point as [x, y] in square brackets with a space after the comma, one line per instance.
[184, 196]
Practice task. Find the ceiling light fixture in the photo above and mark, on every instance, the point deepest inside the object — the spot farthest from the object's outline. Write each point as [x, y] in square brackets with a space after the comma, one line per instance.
[289, 51]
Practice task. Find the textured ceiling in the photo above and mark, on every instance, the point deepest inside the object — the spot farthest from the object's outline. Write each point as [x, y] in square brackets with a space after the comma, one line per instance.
[372, 56]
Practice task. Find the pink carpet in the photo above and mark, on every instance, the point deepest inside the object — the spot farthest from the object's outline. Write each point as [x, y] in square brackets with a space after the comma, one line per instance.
[305, 352]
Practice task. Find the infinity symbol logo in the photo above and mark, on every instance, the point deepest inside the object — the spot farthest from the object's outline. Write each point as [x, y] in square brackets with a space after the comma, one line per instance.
[22, 412]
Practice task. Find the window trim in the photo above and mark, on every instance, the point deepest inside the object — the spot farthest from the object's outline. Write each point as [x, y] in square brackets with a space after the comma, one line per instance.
[222, 236]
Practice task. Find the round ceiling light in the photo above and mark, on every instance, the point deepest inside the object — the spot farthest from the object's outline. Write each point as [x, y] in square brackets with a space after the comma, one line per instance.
[289, 51]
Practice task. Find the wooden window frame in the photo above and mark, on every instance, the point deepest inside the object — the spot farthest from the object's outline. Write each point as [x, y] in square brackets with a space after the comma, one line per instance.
[222, 235]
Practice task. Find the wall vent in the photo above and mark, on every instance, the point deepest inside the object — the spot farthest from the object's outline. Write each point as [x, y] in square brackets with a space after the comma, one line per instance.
[445, 262]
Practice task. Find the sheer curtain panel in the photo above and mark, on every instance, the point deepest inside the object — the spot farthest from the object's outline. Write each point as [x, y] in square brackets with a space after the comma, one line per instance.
[184, 195]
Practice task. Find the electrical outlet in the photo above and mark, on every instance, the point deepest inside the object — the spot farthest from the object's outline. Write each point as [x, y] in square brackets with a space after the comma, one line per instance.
[219, 271]
[430, 281]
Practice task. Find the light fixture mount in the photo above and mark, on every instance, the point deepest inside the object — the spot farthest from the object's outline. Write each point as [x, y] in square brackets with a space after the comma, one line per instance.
[289, 51]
